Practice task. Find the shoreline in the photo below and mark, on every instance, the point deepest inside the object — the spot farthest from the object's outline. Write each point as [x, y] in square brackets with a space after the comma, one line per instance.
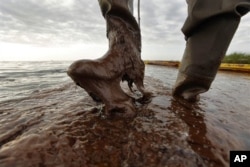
[223, 67]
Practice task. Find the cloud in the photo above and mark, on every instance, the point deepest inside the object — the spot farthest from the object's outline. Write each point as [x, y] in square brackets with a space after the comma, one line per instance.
[164, 21]
[49, 23]
[74, 21]
[62, 22]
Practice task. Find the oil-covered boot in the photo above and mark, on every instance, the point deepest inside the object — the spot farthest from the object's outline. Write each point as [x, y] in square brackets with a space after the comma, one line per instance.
[101, 77]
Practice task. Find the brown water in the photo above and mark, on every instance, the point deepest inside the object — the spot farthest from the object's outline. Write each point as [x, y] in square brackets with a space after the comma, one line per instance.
[64, 127]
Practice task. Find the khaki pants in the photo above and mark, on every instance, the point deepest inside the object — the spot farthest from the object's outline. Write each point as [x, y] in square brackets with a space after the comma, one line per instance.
[209, 29]
[200, 11]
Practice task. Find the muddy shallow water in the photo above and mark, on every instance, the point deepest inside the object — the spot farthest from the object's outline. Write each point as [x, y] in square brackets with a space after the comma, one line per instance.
[63, 127]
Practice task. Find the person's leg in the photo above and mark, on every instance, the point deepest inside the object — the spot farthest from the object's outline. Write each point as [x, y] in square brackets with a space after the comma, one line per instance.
[122, 62]
[209, 30]
[108, 6]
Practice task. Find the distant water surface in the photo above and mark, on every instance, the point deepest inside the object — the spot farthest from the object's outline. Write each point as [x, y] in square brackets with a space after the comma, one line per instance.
[19, 79]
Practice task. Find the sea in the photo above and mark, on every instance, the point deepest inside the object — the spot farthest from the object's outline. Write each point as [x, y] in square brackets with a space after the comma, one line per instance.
[19, 79]
[46, 120]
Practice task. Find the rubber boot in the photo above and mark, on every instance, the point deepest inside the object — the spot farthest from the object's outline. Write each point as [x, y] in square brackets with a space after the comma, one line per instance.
[205, 49]
[101, 78]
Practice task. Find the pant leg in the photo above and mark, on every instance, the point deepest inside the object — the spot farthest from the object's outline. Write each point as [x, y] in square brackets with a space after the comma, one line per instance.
[110, 5]
[199, 11]
[124, 10]
[209, 29]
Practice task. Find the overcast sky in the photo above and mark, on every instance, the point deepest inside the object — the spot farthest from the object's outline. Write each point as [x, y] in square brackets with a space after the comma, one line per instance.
[75, 29]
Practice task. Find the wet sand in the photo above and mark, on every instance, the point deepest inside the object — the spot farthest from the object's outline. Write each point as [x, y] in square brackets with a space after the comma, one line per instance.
[64, 127]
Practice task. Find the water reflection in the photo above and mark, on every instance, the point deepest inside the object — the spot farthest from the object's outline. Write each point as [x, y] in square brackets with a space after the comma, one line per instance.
[193, 116]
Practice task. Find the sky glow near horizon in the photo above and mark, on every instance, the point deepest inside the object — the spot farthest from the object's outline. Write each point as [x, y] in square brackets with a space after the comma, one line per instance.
[33, 30]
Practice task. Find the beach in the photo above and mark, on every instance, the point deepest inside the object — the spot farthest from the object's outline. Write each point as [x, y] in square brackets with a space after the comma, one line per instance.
[46, 120]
